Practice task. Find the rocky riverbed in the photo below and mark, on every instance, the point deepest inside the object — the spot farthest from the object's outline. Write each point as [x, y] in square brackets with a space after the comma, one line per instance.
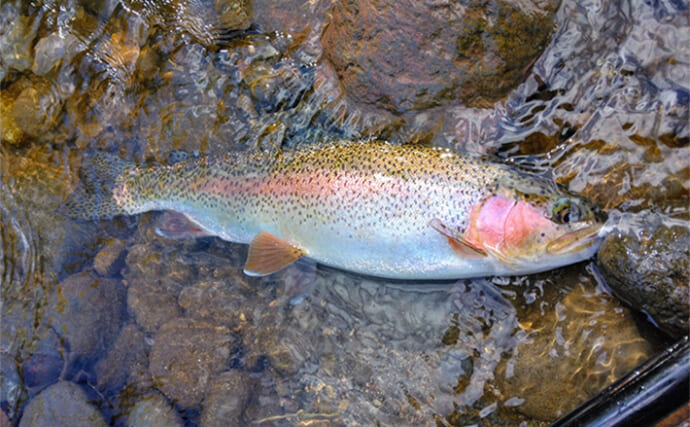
[107, 323]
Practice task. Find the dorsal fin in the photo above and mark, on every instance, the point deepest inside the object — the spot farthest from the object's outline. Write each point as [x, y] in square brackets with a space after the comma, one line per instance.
[268, 254]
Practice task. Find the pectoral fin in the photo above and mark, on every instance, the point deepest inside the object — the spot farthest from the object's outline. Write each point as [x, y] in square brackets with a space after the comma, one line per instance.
[174, 225]
[459, 245]
[268, 254]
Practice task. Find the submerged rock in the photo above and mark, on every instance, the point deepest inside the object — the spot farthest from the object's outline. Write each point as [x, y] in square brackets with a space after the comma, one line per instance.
[429, 53]
[185, 356]
[11, 386]
[36, 109]
[228, 396]
[87, 311]
[645, 264]
[62, 404]
[52, 50]
[586, 343]
[125, 362]
[155, 280]
[154, 411]
[110, 260]
[16, 37]
[41, 370]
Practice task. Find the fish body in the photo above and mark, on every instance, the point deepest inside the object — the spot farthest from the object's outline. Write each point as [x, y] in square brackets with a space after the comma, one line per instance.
[395, 211]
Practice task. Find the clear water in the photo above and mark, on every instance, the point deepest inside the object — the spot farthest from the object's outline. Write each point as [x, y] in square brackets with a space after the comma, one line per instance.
[605, 109]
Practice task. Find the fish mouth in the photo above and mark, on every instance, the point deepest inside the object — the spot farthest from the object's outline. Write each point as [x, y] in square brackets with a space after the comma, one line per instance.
[575, 241]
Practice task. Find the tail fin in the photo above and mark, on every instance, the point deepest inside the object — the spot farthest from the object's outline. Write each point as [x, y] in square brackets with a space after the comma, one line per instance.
[93, 198]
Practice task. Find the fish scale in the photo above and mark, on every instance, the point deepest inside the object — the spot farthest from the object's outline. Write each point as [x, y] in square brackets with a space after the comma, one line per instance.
[364, 207]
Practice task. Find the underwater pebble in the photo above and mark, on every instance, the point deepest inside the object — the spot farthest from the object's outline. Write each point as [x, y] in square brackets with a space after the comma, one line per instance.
[53, 49]
[41, 370]
[87, 311]
[186, 354]
[234, 14]
[125, 362]
[110, 259]
[62, 404]
[645, 264]
[228, 396]
[36, 109]
[154, 411]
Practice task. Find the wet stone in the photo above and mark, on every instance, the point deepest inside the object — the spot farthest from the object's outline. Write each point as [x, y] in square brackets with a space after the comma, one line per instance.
[155, 278]
[428, 54]
[215, 301]
[291, 16]
[10, 384]
[185, 356]
[87, 310]
[16, 37]
[10, 132]
[234, 14]
[36, 109]
[125, 363]
[286, 348]
[53, 50]
[645, 264]
[151, 307]
[110, 260]
[41, 370]
[64, 404]
[586, 343]
[265, 404]
[154, 411]
[228, 395]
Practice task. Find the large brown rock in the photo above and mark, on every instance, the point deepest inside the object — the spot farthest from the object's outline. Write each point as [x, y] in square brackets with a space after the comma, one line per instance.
[645, 264]
[586, 343]
[185, 356]
[422, 54]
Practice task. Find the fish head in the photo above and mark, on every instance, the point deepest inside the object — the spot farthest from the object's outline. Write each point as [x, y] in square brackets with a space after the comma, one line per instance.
[533, 224]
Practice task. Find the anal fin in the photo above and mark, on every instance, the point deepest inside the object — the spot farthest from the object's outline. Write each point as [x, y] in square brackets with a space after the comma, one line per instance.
[459, 245]
[268, 254]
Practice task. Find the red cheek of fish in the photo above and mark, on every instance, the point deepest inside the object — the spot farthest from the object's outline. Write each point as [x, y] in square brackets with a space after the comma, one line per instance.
[502, 223]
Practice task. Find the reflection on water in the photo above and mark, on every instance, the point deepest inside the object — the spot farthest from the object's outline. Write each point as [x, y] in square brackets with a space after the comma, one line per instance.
[157, 330]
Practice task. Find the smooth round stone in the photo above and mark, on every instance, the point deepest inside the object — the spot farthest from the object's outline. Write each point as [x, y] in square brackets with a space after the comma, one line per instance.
[154, 411]
[87, 310]
[62, 404]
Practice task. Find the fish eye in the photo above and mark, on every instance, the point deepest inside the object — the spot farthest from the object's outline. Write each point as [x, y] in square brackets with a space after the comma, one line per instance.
[566, 211]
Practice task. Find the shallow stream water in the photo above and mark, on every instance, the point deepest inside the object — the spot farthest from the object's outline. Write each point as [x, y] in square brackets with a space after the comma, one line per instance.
[153, 330]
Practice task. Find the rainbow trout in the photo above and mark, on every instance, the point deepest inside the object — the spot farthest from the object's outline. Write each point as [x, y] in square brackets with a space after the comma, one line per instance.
[395, 211]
